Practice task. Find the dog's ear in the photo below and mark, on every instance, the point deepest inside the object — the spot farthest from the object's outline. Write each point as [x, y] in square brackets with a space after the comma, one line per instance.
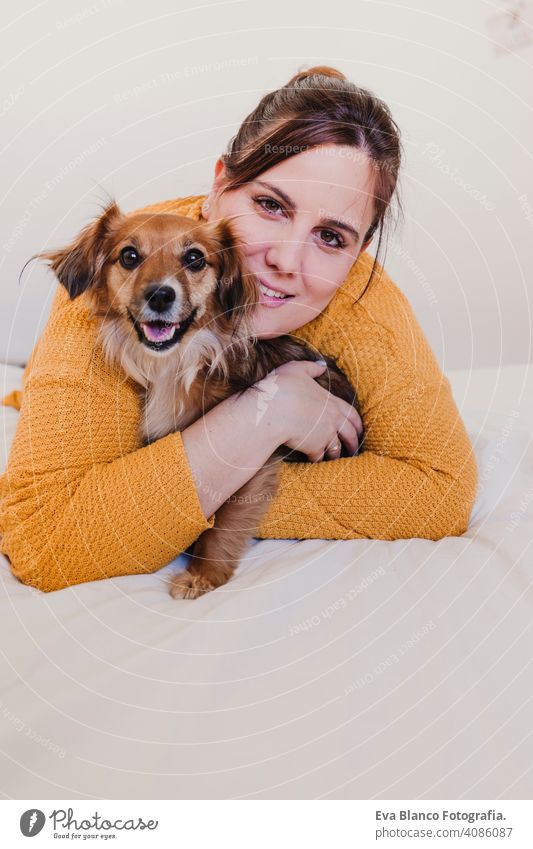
[238, 289]
[79, 265]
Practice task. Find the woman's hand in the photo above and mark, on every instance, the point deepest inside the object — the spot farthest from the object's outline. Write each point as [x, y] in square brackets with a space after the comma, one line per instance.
[232, 441]
[312, 420]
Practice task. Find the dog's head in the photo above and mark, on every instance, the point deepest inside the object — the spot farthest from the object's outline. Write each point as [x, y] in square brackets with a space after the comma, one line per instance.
[160, 275]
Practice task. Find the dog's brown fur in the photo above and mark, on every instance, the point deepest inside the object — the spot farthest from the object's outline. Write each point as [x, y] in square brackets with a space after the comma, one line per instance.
[216, 356]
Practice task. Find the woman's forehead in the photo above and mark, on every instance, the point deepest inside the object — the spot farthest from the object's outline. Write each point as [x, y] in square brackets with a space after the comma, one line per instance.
[352, 164]
[328, 181]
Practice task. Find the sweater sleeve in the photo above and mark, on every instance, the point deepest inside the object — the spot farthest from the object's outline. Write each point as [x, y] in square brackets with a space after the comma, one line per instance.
[417, 474]
[81, 500]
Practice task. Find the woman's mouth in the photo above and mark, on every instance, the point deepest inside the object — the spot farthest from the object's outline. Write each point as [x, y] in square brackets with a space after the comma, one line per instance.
[271, 298]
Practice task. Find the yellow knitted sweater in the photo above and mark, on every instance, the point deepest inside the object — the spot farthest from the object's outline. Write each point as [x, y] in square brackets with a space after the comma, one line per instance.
[81, 499]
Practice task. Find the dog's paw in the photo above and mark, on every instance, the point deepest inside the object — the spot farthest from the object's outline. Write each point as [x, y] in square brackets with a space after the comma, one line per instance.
[186, 585]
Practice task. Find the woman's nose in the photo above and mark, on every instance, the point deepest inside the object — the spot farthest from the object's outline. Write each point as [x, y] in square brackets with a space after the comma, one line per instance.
[286, 255]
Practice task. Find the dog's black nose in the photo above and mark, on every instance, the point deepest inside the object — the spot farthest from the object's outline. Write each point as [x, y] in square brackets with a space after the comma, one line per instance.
[160, 297]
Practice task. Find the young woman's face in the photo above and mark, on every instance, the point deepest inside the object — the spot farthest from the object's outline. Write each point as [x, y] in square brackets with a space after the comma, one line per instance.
[301, 225]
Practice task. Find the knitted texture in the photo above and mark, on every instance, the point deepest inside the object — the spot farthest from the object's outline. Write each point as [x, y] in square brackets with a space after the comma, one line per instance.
[82, 499]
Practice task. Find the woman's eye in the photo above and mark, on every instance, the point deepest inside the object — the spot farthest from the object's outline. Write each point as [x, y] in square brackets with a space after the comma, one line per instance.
[272, 207]
[129, 258]
[268, 204]
[329, 235]
[194, 259]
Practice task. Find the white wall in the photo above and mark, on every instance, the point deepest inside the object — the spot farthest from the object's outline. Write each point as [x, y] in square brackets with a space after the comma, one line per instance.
[138, 99]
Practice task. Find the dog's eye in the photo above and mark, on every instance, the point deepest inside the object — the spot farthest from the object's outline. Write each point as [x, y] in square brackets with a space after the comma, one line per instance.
[194, 259]
[129, 258]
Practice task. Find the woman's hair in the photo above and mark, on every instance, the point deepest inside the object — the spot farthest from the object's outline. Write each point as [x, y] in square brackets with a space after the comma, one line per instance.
[317, 107]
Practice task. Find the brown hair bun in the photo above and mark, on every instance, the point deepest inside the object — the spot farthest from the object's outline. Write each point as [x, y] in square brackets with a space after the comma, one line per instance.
[321, 70]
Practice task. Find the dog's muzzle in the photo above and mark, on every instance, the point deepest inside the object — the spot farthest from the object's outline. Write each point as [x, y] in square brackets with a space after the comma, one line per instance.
[158, 334]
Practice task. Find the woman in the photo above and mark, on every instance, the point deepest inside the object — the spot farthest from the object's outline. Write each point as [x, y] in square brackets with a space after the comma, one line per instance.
[307, 182]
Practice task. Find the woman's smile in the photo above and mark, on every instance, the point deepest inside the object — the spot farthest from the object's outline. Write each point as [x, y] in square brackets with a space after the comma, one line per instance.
[272, 296]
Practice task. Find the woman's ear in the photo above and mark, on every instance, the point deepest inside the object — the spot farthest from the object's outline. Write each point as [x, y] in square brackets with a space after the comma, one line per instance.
[79, 265]
[369, 235]
[220, 174]
[218, 182]
[238, 290]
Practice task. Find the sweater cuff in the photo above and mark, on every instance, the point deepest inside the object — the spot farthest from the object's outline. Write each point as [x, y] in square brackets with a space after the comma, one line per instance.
[195, 514]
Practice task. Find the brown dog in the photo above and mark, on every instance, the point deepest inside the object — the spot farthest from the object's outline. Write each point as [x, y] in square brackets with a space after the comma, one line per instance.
[174, 303]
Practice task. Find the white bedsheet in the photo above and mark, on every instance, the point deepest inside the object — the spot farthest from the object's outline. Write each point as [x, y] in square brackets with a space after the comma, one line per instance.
[351, 669]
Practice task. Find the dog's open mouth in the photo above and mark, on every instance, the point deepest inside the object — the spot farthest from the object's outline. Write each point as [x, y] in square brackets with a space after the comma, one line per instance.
[160, 335]
[159, 331]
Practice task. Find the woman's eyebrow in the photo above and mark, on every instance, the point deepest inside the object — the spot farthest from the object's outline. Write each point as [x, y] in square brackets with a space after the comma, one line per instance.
[335, 222]
[326, 222]
[285, 198]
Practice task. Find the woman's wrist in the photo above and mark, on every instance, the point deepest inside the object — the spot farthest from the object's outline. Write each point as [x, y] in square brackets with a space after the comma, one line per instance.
[261, 402]
[229, 444]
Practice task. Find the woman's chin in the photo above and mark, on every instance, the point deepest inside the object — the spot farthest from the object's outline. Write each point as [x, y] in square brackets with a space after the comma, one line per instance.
[262, 332]
[265, 327]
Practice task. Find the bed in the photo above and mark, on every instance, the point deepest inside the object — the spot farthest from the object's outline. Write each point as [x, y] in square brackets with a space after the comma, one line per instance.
[357, 669]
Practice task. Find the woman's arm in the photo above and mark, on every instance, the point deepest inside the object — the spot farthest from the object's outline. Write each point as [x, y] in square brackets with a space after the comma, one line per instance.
[416, 477]
[417, 474]
[288, 407]
[82, 501]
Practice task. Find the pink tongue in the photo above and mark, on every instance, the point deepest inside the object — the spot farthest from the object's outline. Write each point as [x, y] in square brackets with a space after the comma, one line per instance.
[158, 334]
